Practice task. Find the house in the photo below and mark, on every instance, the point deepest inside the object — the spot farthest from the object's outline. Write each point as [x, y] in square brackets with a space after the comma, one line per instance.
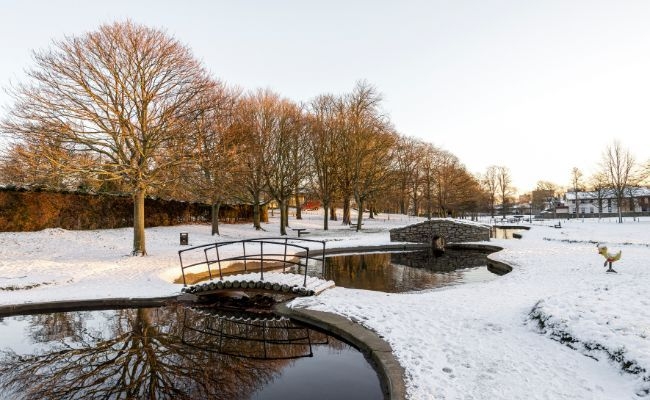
[635, 200]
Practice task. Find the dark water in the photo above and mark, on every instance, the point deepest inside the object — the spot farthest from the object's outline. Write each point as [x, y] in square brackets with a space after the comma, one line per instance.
[406, 271]
[176, 353]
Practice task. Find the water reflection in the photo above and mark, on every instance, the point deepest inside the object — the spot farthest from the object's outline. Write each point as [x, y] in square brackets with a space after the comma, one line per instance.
[406, 271]
[505, 233]
[158, 353]
[266, 338]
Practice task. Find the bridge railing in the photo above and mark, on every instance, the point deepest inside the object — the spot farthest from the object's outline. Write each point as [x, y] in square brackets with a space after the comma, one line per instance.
[255, 338]
[270, 251]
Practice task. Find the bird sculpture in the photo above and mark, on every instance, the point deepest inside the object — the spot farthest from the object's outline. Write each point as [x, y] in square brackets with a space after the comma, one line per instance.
[609, 257]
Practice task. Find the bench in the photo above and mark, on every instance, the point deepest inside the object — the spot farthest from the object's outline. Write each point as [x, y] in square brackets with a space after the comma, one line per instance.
[558, 225]
[301, 231]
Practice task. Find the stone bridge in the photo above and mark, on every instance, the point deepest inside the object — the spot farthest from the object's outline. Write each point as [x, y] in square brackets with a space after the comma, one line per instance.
[440, 231]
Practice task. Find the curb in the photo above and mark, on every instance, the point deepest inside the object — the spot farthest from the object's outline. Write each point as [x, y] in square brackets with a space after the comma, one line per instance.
[84, 305]
[379, 352]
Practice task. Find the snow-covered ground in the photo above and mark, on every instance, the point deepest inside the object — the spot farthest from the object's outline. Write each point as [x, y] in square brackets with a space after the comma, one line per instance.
[557, 327]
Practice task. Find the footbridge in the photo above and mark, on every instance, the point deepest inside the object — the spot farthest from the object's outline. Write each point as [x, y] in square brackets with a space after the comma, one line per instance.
[258, 255]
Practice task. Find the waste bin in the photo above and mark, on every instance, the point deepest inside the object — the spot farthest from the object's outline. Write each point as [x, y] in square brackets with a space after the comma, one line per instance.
[184, 239]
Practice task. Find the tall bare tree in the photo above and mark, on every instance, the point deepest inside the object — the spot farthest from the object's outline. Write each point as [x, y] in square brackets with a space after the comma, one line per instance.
[454, 185]
[372, 173]
[120, 95]
[407, 159]
[427, 177]
[576, 183]
[600, 188]
[324, 120]
[255, 119]
[208, 174]
[490, 185]
[284, 165]
[504, 187]
[368, 142]
[618, 165]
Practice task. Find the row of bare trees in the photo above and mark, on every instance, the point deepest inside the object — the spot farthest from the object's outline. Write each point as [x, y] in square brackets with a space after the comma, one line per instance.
[618, 175]
[127, 108]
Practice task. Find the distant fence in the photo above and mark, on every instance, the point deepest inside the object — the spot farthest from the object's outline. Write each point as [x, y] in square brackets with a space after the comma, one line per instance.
[593, 215]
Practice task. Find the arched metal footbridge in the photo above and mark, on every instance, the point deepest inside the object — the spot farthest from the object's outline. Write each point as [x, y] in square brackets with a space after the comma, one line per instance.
[251, 255]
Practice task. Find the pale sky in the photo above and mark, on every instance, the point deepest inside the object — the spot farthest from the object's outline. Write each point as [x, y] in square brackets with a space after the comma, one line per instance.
[537, 86]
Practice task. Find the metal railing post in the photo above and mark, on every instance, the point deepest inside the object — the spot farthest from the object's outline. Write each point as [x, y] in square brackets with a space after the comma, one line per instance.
[306, 263]
[284, 264]
[244, 246]
[261, 260]
[182, 269]
[219, 262]
[207, 261]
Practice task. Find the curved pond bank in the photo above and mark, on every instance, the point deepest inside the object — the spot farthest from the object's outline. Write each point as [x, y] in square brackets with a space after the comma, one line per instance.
[378, 351]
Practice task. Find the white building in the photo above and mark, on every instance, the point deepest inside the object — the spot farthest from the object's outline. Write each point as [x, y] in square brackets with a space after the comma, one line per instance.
[635, 200]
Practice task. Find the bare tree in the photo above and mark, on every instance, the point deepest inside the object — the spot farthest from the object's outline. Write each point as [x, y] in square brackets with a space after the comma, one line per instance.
[121, 95]
[458, 190]
[208, 174]
[454, 185]
[24, 165]
[407, 159]
[600, 189]
[368, 142]
[324, 120]
[373, 172]
[490, 185]
[427, 178]
[576, 182]
[618, 165]
[283, 165]
[504, 187]
[544, 195]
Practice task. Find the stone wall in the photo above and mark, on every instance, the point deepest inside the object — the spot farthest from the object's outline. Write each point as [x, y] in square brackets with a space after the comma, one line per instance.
[451, 231]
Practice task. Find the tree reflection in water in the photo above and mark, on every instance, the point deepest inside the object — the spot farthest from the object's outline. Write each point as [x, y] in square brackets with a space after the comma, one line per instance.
[151, 353]
[405, 271]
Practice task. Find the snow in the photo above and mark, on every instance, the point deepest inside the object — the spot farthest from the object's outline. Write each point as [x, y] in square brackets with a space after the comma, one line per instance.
[557, 327]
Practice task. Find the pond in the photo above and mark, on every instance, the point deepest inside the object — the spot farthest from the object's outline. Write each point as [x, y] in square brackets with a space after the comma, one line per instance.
[405, 271]
[176, 352]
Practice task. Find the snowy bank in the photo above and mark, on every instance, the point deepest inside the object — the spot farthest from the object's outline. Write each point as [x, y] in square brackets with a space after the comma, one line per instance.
[556, 327]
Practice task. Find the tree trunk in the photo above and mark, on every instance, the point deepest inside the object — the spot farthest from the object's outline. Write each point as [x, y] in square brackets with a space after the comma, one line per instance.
[283, 217]
[138, 223]
[256, 216]
[298, 207]
[326, 209]
[346, 211]
[215, 217]
[286, 213]
[359, 214]
[333, 216]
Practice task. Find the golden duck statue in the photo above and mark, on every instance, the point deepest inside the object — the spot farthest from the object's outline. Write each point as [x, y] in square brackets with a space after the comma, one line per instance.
[609, 257]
